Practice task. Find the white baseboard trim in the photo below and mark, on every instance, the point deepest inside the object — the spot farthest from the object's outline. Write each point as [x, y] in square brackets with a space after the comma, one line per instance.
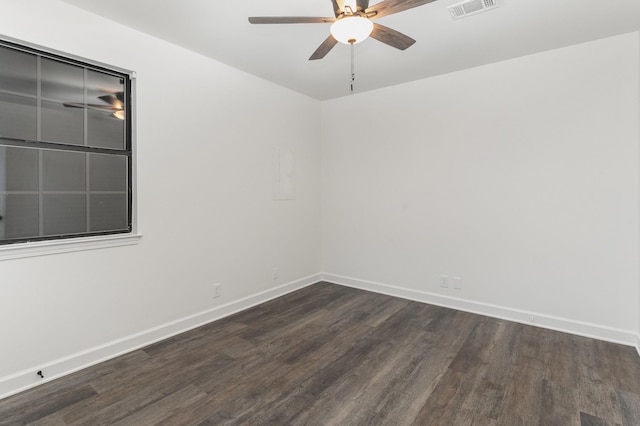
[16, 383]
[565, 325]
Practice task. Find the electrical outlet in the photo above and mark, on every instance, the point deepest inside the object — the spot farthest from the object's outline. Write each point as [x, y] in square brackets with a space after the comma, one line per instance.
[444, 281]
[276, 273]
[217, 290]
[457, 283]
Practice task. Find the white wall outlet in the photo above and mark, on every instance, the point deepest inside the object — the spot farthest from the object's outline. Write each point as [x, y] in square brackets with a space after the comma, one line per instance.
[276, 273]
[457, 283]
[444, 281]
[217, 290]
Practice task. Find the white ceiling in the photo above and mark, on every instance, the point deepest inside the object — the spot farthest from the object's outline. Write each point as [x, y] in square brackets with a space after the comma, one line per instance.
[279, 53]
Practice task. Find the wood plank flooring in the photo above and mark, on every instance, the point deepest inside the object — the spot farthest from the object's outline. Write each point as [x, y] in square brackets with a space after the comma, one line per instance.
[332, 355]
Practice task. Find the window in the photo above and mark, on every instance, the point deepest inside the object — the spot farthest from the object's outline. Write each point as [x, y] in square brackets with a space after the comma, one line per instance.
[65, 147]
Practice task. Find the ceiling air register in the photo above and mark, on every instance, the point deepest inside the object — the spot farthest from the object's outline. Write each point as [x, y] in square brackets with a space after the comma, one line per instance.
[472, 7]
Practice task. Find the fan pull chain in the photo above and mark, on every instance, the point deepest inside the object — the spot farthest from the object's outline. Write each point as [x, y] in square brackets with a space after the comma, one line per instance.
[353, 66]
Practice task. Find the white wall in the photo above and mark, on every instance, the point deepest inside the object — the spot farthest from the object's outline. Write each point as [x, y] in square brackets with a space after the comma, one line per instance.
[521, 177]
[206, 135]
[638, 331]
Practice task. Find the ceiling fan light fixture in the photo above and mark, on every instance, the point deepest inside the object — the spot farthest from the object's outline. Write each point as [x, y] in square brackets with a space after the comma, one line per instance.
[119, 114]
[351, 29]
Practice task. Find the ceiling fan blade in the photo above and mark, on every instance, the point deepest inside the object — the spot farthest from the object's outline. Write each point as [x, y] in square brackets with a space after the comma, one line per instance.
[104, 107]
[113, 99]
[389, 7]
[73, 105]
[338, 7]
[92, 106]
[289, 20]
[391, 37]
[324, 48]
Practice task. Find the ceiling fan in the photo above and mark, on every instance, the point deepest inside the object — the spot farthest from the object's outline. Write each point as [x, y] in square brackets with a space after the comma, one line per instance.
[353, 24]
[114, 105]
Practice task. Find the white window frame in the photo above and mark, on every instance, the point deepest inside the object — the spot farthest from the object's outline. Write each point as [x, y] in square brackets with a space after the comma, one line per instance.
[84, 243]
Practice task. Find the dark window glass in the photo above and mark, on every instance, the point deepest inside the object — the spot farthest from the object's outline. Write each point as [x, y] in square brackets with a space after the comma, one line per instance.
[61, 81]
[108, 172]
[21, 218]
[64, 214]
[61, 124]
[18, 117]
[63, 171]
[21, 168]
[65, 147]
[18, 72]
[108, 211]
[105, 130]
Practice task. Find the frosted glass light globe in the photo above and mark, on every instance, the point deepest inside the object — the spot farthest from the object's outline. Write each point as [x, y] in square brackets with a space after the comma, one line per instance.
[351, 28]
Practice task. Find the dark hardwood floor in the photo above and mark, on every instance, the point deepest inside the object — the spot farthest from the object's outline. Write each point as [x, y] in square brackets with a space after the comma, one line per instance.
[331, 355]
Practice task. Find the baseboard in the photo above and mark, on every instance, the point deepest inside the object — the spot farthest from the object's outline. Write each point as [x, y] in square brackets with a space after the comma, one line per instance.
[595, 331]
[27, 379]
[638, 344]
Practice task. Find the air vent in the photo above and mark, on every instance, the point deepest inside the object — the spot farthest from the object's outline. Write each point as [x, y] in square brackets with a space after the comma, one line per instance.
[472, 7]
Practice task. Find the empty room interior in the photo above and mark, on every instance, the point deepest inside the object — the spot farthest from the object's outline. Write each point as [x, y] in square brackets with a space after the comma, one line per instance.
[433, 223]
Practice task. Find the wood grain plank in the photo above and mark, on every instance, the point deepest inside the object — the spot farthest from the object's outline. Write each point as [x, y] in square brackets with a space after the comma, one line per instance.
[324, 48]
[121, 401]
[622, 365]
[328, 354]
[522, 396]
[589, 420]
[391, 37]
[162, 409]
[120, 370]
[395, 393]
[558, 405]
[484, 404]
[629, 407]
[598, 399]
[32, 408]
[445, 401]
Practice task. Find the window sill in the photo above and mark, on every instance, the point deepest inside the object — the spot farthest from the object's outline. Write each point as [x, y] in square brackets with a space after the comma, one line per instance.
[45, 248]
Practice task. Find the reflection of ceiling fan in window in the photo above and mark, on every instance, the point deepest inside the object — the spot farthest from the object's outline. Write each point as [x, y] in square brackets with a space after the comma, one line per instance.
[114, 103]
